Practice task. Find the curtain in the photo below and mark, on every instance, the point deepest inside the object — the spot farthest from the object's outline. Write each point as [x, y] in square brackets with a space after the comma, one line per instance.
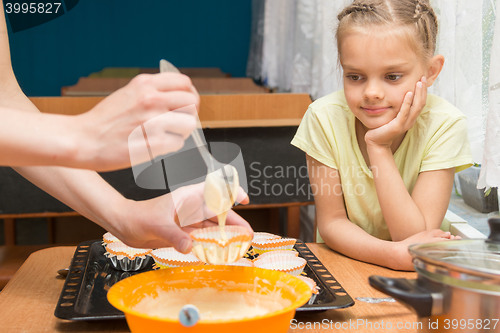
[461, 42]
[490, 168]
[294, 50]
[293, 45]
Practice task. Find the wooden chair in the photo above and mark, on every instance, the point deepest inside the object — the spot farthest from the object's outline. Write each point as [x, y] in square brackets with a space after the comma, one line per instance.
[133, 71]
[103, 86]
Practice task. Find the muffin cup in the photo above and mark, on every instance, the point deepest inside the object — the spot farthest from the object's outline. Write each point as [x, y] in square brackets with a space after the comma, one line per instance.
[126, 258]
[286, 263]
[242, 262]
[214, 245]
[109, 238]
[264, 235]
[265, 245]
[310, 282]
[169, 257]
[290, 253]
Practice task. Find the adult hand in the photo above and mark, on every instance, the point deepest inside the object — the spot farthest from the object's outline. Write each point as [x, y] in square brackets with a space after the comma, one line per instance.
[157, 100]
[413, 104]
[155, 223]
[403, 259]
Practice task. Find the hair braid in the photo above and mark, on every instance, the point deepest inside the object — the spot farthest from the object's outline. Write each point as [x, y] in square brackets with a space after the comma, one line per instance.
[425, 16]
[416, 15]
[419, 11]
[356, 7]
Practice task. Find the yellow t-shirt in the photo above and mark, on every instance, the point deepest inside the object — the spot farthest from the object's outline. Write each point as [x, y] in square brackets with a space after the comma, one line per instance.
[438, 140]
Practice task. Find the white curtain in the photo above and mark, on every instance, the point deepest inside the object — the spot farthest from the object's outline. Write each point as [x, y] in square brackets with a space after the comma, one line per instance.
[293, 45]
[490, 168]
[294, 50]
[460, 41]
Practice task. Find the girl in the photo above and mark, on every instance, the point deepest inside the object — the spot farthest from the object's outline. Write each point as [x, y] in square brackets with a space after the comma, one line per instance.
[382, 154]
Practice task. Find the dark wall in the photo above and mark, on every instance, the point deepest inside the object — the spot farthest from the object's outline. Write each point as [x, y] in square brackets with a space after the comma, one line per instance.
[130, 33]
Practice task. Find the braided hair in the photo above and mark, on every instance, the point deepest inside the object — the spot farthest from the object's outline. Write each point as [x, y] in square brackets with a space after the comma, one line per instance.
[416, 15]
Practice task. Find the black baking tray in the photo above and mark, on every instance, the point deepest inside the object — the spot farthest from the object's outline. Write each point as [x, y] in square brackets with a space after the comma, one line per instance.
[90, 276]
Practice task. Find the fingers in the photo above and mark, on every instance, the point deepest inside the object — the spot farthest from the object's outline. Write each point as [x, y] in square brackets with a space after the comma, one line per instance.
[154, 96]
[164, 81]
[412, 105]
[173, 82]
[166, 133]
[173, 122]
[153, 103]
[234, 219]
[448, 235]
[405, 107]
[180, 101]
[444, 235]
[176, 237]
[419, 100]
[242, 197]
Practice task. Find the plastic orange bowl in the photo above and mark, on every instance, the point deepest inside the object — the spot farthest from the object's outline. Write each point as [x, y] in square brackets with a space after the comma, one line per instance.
[127, 293]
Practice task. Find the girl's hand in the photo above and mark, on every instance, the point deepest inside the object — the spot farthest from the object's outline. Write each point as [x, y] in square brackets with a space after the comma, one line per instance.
[405, 119]
[403, 259]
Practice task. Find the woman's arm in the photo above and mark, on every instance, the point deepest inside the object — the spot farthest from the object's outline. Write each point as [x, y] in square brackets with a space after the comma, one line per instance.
[151, 223]
[148, 224]
[100, 138]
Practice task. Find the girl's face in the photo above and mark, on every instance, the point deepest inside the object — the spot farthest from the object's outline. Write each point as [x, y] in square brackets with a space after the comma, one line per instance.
[379, 69]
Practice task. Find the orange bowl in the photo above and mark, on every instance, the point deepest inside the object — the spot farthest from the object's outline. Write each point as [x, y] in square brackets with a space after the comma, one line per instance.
[285, 289]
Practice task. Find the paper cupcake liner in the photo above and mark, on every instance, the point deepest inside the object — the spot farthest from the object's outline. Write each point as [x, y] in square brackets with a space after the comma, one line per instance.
[126, 258]
[310, 282]
[212, 246]
[265, 245]
[264, 235]
[169, 257]
[287, 264]
[291, 253]
[109, 238]
[242, 262]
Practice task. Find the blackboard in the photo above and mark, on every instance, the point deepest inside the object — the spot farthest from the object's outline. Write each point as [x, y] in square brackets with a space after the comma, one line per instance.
[276, 173]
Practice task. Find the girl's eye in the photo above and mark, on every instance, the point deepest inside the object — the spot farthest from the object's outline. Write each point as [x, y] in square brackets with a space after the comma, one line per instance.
[393, 77]
[353, 77]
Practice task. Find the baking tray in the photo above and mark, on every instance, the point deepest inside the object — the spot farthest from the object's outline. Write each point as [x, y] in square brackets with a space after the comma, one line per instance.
[90, 276]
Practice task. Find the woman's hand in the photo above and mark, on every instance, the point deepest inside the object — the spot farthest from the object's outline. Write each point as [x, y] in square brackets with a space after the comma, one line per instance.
[405, 119]
[153, 108]
[157, 222]
[403, 259]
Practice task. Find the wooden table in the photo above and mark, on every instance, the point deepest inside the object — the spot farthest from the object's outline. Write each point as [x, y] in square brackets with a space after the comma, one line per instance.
[28, 301]
[11, 258]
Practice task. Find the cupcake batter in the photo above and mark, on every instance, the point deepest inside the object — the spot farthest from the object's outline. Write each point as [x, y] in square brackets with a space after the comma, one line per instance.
[213, 304]
[220, 194]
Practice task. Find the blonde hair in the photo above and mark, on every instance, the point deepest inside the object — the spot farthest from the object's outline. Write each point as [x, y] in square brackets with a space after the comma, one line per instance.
[415, 15]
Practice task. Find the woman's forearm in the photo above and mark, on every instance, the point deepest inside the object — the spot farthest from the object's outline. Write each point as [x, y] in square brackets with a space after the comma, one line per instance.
[82, 190]
[33, 138]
